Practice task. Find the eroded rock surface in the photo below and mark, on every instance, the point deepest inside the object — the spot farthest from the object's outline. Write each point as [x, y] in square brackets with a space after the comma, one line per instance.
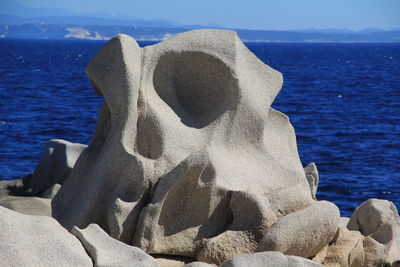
[187, 148]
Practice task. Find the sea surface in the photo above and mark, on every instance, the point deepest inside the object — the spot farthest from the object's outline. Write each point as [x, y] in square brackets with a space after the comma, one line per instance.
[343, 100]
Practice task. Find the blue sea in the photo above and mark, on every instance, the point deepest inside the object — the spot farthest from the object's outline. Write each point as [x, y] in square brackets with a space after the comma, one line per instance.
[343, 100]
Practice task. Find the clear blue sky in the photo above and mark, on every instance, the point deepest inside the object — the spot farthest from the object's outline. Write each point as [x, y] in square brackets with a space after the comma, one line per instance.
[251, 14]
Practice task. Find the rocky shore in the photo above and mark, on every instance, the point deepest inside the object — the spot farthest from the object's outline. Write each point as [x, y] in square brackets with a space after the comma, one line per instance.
[188, 166]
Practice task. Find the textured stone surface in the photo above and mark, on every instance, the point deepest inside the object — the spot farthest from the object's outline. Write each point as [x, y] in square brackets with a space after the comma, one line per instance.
[38, 241]
[320, 257]
[378, 220]
[57, 160]
[312, 178]
[27, 205]
[108, 252]
[186, 149]
[269, 259]
[303, 233]
[346, 250]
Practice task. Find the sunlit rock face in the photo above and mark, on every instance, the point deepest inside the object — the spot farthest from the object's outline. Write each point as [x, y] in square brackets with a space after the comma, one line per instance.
[188, 157]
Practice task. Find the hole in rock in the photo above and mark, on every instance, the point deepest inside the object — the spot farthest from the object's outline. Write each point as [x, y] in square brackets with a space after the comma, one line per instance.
[198, 87]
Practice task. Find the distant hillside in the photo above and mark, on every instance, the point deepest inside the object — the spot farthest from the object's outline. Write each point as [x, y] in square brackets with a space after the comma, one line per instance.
[12, 12]
[84, 20]
[99, 32]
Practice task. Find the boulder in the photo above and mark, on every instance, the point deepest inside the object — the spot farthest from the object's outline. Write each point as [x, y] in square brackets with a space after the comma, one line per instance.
[27, 205]
[56, 162]
[108, 252]
[269, 259]
[375, 253]
[312, 178]
[186, 149]
[346, 250]
[303, 233]
[379, 221]
[38, 241]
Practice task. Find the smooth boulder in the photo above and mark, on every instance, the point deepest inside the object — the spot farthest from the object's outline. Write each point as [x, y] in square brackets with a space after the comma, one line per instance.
[108, 252]
[38, 241]
[303, 233]
[56, 162]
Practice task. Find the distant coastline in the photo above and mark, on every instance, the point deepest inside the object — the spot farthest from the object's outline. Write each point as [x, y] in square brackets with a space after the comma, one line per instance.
[100, 32]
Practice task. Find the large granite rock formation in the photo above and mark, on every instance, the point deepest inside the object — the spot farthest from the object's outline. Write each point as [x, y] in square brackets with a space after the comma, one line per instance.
[188, 157]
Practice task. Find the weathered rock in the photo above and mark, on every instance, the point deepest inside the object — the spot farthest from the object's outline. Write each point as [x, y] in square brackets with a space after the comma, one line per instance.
[27, 205]
[186, 149]
[346, 250]
[378, 220]
[312, 178]
[375, 253]
[34, 241]
[321, 255]
[303, 233]
[57, 160]
[108, 252]
[269, 259]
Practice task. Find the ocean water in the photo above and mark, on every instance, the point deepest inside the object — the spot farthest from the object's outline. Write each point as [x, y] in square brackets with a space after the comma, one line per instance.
[343, 100]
